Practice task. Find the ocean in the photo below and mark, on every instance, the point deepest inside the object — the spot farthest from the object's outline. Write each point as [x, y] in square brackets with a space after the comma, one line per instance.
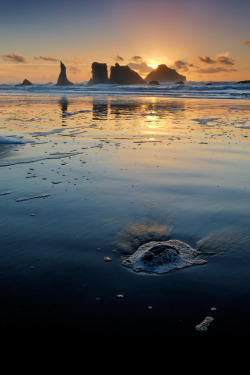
[125, 210]
[212, 90]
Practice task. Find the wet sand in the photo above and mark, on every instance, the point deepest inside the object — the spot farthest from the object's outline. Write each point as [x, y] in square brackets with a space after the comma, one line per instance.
[86, 181]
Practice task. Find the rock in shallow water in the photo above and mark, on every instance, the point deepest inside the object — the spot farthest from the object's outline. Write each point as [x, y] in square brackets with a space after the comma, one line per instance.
[163, 256]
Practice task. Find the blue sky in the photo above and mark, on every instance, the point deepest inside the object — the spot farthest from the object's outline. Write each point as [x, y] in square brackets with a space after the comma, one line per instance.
[159, 31]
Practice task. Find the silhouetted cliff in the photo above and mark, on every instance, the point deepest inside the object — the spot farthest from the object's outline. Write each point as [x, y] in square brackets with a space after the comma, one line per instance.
[99, 74]
[164, 74]
[124, 75]
[62, 79]
[121, 75]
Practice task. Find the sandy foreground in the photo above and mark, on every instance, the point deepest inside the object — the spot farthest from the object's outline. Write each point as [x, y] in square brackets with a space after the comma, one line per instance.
[85, 181]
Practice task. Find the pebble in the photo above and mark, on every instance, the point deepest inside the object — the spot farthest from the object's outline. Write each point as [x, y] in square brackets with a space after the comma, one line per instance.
[107, 259]
[120, 296]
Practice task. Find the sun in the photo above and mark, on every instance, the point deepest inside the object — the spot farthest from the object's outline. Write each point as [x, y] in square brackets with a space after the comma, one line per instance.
[154, 66]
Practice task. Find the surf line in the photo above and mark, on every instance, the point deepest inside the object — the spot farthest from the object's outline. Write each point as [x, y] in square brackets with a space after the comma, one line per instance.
[56, 156]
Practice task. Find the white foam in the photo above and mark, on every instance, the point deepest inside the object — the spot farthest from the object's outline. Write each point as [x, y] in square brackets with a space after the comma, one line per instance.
[33, 197]
[5, 193]
[55, 156]
[203, 326]
[11, 140]
[177, 255]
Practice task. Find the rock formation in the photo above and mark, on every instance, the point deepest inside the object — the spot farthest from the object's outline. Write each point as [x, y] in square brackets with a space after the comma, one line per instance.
[154, 83]
[26, 82]
[120, 75]
[246, 81]
[99, 74]
[62, 79]
[123, 75]
[164, 74]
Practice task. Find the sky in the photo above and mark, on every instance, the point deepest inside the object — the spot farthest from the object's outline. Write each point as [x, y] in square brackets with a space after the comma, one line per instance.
[205, 40]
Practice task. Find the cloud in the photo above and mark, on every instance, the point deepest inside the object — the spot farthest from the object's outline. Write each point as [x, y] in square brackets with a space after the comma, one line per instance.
[140, 67]
[136, 58]
[216, 70]
[117, 58]
[182, 65]
[206, 60]
[219, 59]
[224, 60]
[14, 58]
[45, 58]
[75, 60]
[247, 42]
[74, 69]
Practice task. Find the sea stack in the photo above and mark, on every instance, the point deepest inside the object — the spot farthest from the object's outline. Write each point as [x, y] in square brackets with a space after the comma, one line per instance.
[25, 82]
[62, 79]
[123, 75]
[164, 74]
[99, 74]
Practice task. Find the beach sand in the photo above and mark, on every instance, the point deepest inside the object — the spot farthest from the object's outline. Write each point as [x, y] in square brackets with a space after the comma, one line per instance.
[85, 181]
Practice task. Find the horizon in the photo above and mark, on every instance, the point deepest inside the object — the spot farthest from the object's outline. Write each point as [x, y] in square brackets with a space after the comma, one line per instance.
[203, 40]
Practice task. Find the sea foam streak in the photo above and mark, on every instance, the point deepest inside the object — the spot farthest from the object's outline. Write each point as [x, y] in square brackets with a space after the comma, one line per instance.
[33, 197]
[56, 156]
[11, 140]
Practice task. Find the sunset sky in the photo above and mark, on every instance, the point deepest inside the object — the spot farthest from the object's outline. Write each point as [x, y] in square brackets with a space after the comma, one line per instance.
[202, 39]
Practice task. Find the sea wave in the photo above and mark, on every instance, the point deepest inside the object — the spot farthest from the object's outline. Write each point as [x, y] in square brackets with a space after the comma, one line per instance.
[213, 90]
[11, 140]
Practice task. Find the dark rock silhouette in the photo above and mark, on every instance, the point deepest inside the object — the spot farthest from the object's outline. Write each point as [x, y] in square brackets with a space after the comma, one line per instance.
[246, 81]
[154, 83]
[124, 75]
[99, 74]
[164, 74]
[62, 79]
[26, 82]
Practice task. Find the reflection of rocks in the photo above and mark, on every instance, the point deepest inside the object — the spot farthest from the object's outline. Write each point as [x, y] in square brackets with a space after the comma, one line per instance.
[62, 79]
[26, 82]
[164, 74]
[124, 75]
[118, 108]
[64, 107]
[99, 74]
[100, 110]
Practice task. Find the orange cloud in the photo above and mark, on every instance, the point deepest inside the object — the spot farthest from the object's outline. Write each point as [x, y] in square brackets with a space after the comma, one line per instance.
[117, 58]
[218, 69]
[141, 68]
[221, 59]
[247, 42]
[14, 58]
[45, 58]
[206, 60]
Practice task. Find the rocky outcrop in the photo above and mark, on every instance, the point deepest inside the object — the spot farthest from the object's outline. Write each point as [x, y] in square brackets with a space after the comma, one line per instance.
[246, 81]
[99, 74]
[164, 74]
[62, 79]
[154, 83]
[124, 75]
[120, 75]
[26, 82]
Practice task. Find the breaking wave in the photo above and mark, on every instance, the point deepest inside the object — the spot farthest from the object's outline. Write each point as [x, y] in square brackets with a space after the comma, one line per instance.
[215, 90]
